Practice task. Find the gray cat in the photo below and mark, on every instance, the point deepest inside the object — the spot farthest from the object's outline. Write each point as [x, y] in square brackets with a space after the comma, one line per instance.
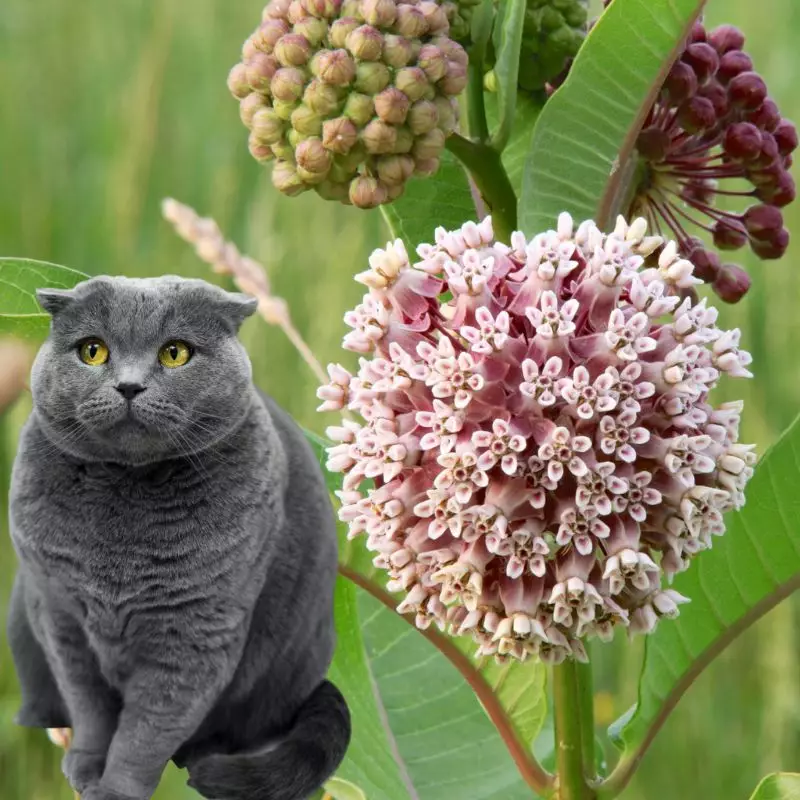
[177, 553]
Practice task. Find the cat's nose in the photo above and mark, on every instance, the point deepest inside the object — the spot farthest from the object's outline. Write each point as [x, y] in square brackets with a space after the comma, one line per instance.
[129, 390]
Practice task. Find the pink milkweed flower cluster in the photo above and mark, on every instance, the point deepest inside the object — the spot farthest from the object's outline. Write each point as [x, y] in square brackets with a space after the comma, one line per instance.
[538, 454]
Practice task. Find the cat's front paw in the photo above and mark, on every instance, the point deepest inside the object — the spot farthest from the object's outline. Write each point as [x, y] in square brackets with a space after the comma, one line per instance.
[83, 768]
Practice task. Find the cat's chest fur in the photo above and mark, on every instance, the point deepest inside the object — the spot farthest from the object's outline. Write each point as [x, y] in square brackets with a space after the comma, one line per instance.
[144, 555]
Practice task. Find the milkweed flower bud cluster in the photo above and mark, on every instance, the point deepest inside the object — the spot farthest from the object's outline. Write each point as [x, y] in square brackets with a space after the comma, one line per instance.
[350, 98]
[713, 126]
[539, 455]
[553, 31]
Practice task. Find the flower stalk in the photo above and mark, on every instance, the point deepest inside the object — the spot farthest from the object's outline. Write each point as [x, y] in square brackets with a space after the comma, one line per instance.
[586, 700]
[570, 757]
[491, 178]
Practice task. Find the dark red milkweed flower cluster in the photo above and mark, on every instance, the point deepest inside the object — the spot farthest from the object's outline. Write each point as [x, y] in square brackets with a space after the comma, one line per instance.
[715, 133]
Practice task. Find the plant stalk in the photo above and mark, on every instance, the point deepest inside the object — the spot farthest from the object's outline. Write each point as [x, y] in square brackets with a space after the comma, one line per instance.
[476, 109]
[492, 180]
[571, 780]
[583, 674]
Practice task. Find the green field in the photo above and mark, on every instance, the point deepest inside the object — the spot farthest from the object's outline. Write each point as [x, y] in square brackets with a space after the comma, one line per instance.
[107, 107]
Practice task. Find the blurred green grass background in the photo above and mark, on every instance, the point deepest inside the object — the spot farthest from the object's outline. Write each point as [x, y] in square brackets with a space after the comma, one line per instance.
[107, 107]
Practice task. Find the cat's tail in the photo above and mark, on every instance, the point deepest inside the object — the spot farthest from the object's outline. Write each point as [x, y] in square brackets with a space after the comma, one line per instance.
[299, 765]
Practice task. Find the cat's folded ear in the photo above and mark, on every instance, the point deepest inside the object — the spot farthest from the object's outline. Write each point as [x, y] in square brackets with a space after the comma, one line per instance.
[55, 300]
[236, 307]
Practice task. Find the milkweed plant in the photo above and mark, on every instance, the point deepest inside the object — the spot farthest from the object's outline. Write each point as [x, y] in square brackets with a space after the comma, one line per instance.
[529, 455]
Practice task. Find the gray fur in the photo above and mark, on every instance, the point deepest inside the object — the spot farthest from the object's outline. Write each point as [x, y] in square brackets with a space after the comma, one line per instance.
[177, 556]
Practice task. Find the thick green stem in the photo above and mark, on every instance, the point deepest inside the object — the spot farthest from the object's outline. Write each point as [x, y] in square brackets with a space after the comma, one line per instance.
[491, 178]
[476, 109]
[583, 674]
[571, 779]
[482, 21]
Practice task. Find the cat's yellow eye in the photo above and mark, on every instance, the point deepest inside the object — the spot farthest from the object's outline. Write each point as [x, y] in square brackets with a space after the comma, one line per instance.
[93, 352]
[174, 354]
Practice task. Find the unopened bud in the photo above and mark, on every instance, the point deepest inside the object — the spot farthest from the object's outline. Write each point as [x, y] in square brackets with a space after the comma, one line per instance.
[786, 136]
[432, 61]
[404, 141]
[448, 113]
[747, 90]
[238, 85]
[726, 38]
[729, 234]
[267, 126]
[345, 166]
[681, 83]
[379, 137]
[365, 43]
[436, 18]
[391, 105]
[260, 70]
[413, 82]
[772, 248]
[276, 9]
[322, 98]
[249, 48]
[742, 141]
[731, 283]
[296, 12]
[762, 221]
[314, 30]
[426, 166]
[410, 22]
[284, 110]
[335, 67]
[379, 13]
[249, 105]
[702, 58]
[322, 8]
[397, 51]
[422, 117]
[339, 135]
[766, 116]
[455, 79]
[394, 191]
[780, 193]
[286, 180]
[453, 50]
[395, 169]
[261, 152]
[429, 145]
[268, 34]
[697, 114]
[306, 121]
[372, 77]
[733, 64]
[350, 8]
[312, 156]
[287, 84]
[360, 108]
[367, 192]
[293, 50]
[340, 30]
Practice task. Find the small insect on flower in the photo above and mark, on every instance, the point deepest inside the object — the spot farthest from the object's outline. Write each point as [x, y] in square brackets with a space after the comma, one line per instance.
[539, 454]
